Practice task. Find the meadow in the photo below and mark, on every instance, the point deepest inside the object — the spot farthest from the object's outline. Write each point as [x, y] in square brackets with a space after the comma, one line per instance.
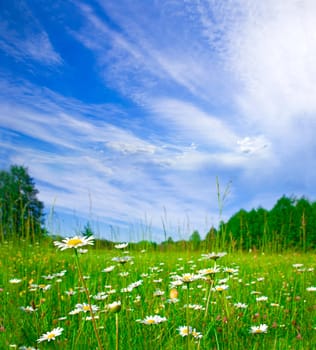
[91, 298]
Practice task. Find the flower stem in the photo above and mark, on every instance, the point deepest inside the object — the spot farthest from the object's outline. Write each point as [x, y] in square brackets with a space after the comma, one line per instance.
[117, 331]
[187, 317]
[96, 332]
[208, 299]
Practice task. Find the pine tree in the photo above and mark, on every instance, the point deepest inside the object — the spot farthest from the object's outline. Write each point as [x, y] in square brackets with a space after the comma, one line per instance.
[21, 213]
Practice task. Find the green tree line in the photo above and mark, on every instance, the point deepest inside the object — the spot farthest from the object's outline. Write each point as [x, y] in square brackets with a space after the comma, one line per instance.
[291, 223]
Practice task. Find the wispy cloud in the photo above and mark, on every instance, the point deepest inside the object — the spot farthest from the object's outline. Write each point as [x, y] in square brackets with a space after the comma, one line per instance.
[31, 44]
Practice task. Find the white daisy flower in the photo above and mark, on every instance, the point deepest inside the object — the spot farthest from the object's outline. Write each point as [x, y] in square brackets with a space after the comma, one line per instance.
[51, 335]
[121, 246]
[74, 242]
[263, 328]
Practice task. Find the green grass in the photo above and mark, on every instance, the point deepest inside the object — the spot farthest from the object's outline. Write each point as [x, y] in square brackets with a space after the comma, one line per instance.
[289, 312]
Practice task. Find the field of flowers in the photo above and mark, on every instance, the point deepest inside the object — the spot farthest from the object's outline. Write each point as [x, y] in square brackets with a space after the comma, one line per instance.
[71, 295]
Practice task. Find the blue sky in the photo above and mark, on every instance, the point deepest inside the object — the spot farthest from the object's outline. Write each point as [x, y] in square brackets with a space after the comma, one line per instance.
[126, 112]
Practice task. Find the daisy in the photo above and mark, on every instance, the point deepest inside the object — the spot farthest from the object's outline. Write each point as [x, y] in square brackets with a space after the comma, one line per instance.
[209, 271]
[135, 284]
[221, 287]
[74, 242]
[240, 306]
[86, 307]
[100, 296]
[28, 309]
[15, 281]
[214, 256]
[114, 307]
[263, 328]
[122, 259]
[195, 307]
[311, 289]
[121, 245]
[82, 251]
[188, 277]
[51, 335]
[184, 331]
[262, 298]
[149, 320]
[109, 269]
[230, 270]
[196, 335]
[158, 293]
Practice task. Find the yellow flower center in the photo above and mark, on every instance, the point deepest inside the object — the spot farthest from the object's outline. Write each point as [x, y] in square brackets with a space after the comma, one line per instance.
[51, 336]
[73, 242]
[86, 308]
[258, 331]
[151, 321]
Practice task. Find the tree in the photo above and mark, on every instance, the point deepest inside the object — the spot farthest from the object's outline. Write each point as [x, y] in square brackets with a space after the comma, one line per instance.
[195, 239]
[21, 213]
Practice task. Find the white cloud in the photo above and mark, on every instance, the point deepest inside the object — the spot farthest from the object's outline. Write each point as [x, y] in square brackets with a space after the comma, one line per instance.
[31, 43]
[193, 122]
[252, 145]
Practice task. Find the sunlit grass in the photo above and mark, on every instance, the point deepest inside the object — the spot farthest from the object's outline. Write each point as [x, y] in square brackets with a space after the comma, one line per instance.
[142, 301]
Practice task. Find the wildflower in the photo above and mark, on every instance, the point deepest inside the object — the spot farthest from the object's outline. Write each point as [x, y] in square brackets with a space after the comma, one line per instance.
[121, 246]
[74, 242]
[27, 309]
[100, 296]
[70, 292]
[214, 256]
[60, 274]
[184, 331]
[188, 277]
[149, 320]
[296, 266]
[176, 283]
[124, 274]
[114, 307]
[82, 251]
[209, 271]
[15, 281]
[311, 289]
[49, 277]
[135, 284]
[109, 269]
[262, 298]
[220, 288]
[196, 335]
[195, 307]
[230, 270]
[172, 301]
[44, 287]
[158, 293]
[86, 307]
[51, 335]
[263, 328]
[240, 306]
[122, 259]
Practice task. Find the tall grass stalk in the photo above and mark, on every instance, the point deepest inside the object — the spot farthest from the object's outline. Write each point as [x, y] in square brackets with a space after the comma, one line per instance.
[96, 332]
